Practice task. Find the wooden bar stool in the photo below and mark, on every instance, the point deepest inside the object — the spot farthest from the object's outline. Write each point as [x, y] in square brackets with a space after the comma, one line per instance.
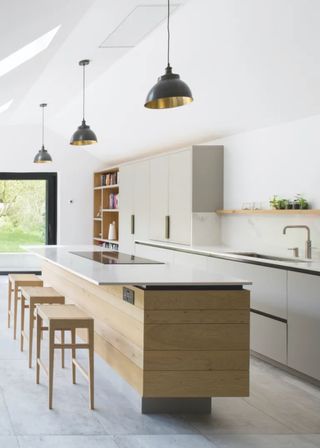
[67, 318]
[15, 282]
[30, 297]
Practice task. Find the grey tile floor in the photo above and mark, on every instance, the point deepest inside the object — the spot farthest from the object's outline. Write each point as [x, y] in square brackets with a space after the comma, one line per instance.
[281, 412]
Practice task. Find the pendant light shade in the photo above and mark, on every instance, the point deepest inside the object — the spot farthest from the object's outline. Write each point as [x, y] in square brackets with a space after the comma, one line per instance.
[83, 135]
[42, 155]
[170, 91]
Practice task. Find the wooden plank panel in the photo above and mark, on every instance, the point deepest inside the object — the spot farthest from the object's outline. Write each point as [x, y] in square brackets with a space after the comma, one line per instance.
[197, 300]
[120, 363]
[196, 360]
[196, 384]
[196, 337]
[196, 316]
[127, 337]
[112, 294]
[101, 309]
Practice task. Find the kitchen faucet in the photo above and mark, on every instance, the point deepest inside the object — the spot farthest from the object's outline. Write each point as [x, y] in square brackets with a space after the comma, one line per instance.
[308, 242]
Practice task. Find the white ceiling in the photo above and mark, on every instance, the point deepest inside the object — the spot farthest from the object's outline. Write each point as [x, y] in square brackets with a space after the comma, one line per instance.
[249, 63]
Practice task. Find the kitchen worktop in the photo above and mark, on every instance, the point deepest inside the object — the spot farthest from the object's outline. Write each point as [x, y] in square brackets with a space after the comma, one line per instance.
[124, 274]
[224, 252]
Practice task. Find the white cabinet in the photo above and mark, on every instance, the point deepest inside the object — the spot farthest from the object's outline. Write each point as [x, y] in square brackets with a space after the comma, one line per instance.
[180, 197]
[141, 200]
[134, 204]
[269, 285]
[191, 260]
[159, 197]
[304, 323]
[126, 179]
[183, 183]
[268, 337]
[154, 253]
[170, 198]
[268, 295]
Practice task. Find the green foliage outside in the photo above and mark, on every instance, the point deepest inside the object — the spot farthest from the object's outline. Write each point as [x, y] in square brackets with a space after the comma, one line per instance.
[22, 213]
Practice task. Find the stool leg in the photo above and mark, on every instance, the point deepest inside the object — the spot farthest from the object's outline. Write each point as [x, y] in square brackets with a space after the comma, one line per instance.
[31, 324]
[62, 350]
[51, 362]
[9, 301]
[22, 322]
[39, 334]
[15, 312]
[73, 355]
[91, 366]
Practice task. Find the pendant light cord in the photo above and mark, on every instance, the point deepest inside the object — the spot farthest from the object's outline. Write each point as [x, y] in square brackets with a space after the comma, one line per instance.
[83, 91]
[168, 31]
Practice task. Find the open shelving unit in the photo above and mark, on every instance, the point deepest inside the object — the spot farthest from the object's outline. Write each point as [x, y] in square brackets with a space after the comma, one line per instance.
[105, 207]
[269, 212]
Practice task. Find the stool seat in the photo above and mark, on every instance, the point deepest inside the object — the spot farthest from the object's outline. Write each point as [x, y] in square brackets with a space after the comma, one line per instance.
[65, 318]
[24, 278]
[16, 281]
[31, 296]
[62, 312]
[40, 293]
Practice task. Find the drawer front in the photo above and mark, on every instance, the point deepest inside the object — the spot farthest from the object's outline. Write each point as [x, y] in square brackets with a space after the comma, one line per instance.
[268, 337]
[269, 285]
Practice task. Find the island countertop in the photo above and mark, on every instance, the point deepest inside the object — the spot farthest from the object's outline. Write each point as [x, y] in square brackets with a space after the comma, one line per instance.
[122, 274]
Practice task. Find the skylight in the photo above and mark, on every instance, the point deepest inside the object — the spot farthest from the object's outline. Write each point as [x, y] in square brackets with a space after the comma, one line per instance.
[27, 52]
[5, 106]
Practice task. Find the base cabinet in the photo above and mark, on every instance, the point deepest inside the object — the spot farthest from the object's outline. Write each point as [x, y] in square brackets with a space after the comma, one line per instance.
[268, 337]
[268, 295]
[291, 335]
[304, 323]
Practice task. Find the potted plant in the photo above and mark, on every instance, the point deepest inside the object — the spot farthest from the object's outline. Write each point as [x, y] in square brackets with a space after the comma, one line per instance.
[274, 202]
[300, 203]
[289, 205]
[282, 204]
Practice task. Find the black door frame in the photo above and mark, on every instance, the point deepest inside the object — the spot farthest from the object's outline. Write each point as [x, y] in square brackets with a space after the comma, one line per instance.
[51, 198]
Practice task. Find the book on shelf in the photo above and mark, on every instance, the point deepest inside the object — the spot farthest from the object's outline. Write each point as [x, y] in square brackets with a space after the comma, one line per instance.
[114, 201]
[109, 179]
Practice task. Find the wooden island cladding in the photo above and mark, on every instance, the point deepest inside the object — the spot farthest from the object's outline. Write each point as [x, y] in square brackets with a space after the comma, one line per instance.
[170, 343]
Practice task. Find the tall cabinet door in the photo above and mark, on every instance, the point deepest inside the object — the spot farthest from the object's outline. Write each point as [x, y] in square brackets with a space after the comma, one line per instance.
[126, 208]
[159, 168]
[304, 323]
[180, 196]
[141, 200]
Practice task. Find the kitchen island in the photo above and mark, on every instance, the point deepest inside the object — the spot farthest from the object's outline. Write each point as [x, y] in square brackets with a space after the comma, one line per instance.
[178, 336]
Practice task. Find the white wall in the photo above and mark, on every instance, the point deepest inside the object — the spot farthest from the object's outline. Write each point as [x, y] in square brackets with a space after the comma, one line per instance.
[282, 160]
[75, 169]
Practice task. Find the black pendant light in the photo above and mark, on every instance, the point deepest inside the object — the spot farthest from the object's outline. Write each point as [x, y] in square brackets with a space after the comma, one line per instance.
[83, 135]
[170, 90]
[42, 156]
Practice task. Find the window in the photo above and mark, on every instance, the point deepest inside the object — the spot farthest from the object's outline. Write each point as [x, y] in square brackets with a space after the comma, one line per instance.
[28, 210]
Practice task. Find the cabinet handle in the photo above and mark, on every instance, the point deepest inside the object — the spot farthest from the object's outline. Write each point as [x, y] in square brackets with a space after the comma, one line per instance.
[132, 225]
[167, 227]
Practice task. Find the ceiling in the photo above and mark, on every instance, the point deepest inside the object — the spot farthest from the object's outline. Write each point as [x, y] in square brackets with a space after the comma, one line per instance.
[249, 63]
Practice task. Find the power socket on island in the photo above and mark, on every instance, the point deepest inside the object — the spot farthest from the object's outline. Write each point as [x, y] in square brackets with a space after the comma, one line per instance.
[128, 295]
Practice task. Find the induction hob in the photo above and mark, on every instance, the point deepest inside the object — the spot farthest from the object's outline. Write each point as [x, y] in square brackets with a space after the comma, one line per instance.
[110, 257]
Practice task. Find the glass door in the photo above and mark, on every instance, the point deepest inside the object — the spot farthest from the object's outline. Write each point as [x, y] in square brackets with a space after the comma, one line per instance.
[28, 206]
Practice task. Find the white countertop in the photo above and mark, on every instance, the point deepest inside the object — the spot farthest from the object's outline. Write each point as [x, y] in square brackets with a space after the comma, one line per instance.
[301, 265]
[152, 274]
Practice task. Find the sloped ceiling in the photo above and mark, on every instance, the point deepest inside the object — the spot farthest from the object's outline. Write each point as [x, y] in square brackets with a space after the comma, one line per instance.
[249, 63]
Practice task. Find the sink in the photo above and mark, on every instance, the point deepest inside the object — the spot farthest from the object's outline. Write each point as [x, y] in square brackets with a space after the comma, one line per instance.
[269, 257]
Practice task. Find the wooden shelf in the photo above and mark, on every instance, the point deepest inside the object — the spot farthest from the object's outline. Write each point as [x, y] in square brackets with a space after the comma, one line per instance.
[269, 212]
[103, 216]
[107, 187]
[106, 240]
